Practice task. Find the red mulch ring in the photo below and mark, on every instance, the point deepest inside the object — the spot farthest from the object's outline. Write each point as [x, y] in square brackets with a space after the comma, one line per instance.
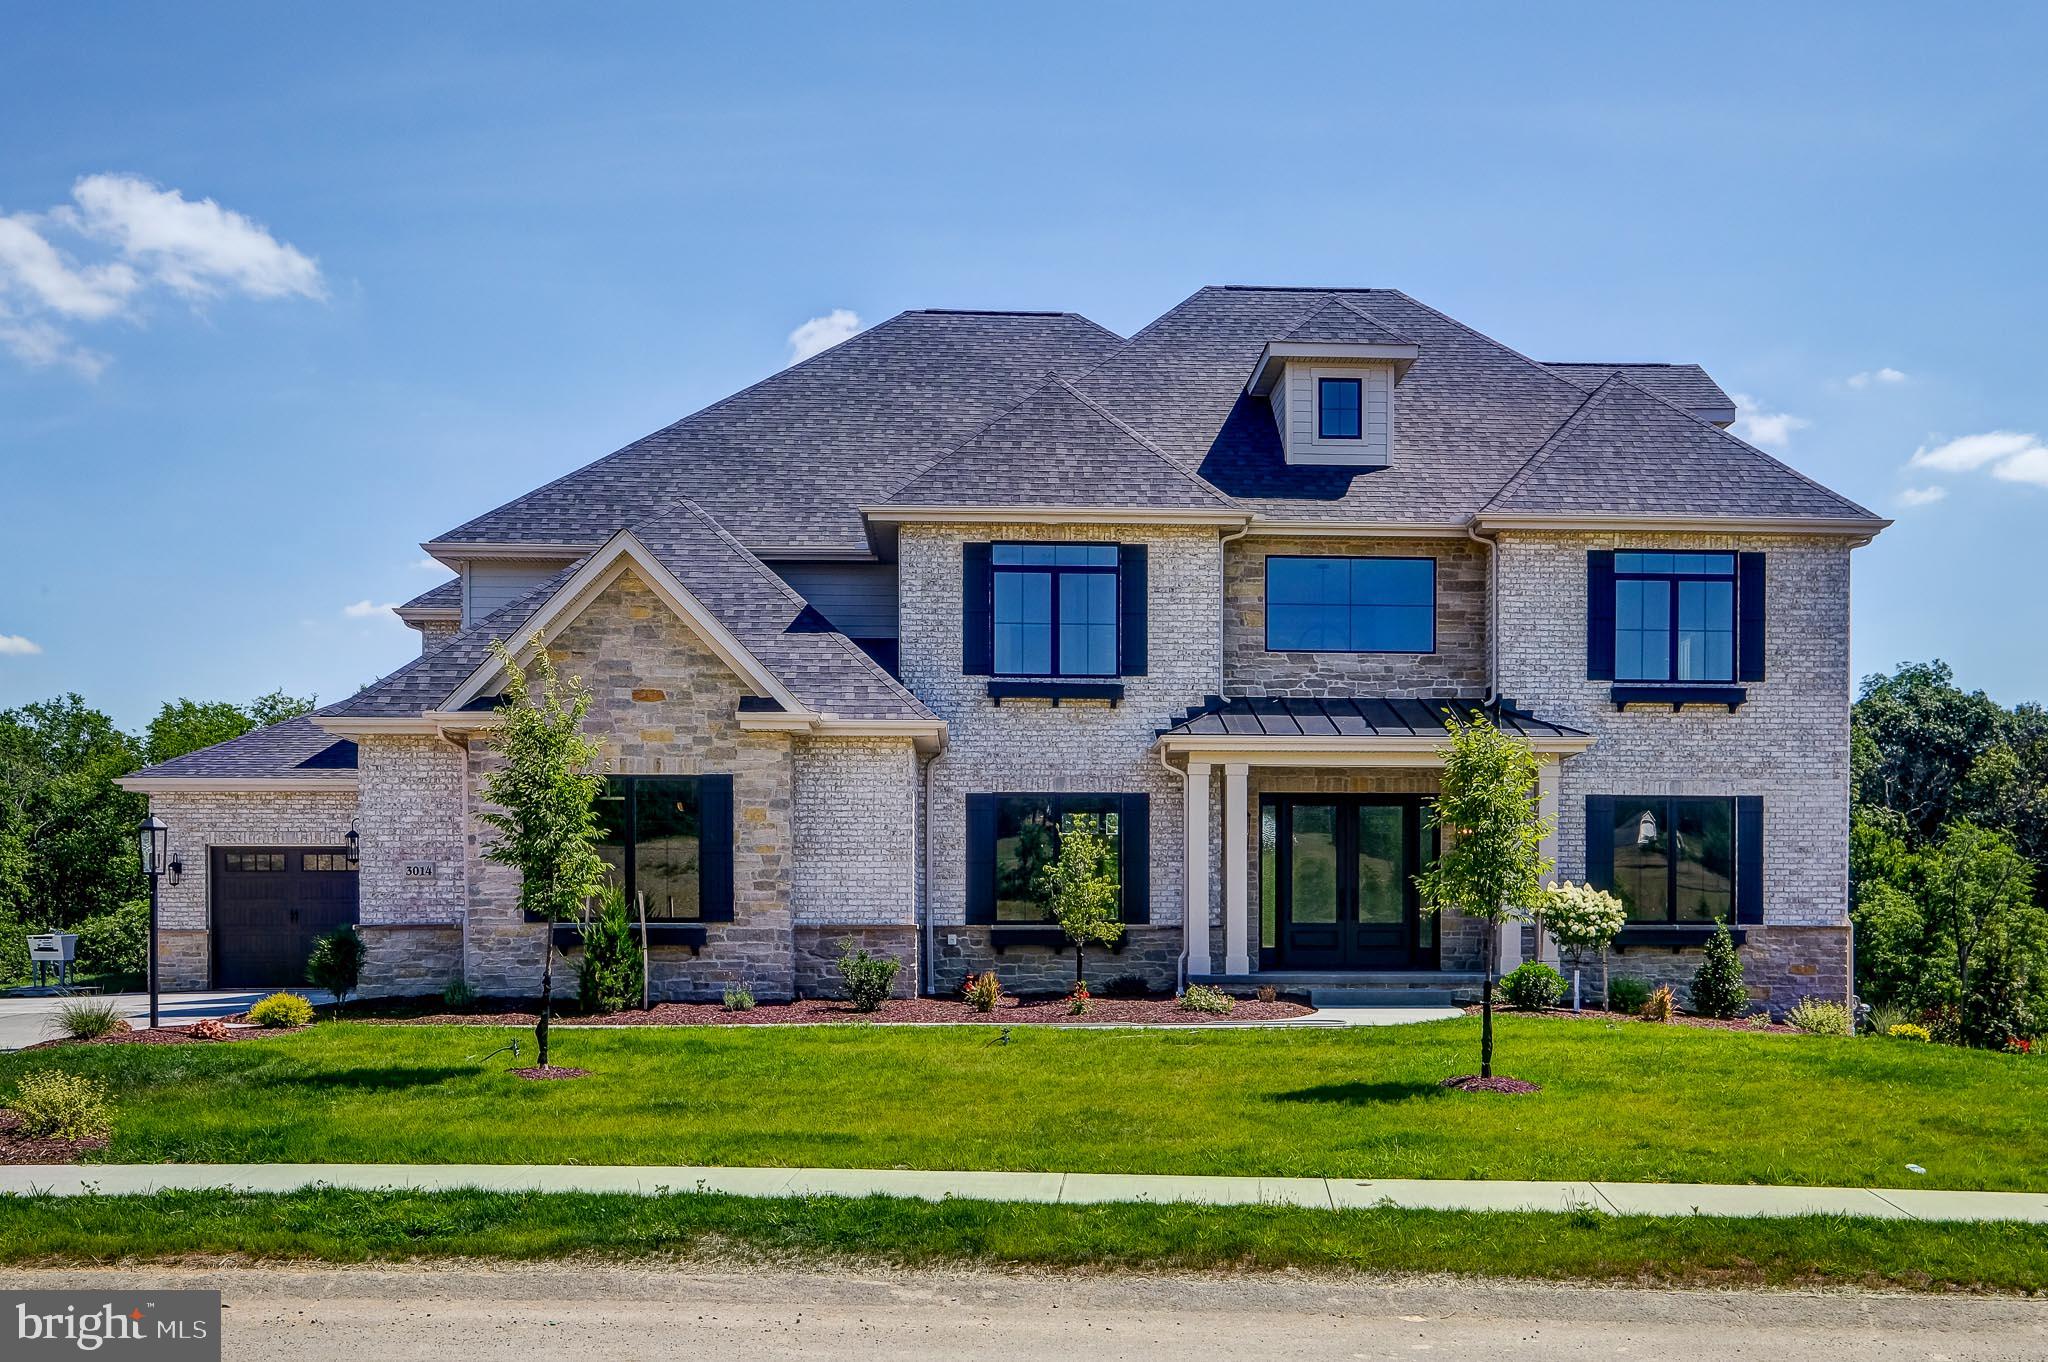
[162, 1035]
[1009, 1012]
[1677, 1019]
[1474, 1083]
[541, 1073]
[16, 1147]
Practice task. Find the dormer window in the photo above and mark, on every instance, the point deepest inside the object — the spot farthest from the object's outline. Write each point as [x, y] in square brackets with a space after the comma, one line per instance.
[1338, 402]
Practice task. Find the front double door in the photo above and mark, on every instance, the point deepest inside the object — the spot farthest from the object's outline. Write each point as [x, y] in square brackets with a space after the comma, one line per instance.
[1344, 872]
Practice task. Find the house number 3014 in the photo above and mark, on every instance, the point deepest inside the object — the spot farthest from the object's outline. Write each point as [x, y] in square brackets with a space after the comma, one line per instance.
[419, 870]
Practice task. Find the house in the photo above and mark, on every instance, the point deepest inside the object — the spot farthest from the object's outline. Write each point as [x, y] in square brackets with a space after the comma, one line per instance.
[862, 636]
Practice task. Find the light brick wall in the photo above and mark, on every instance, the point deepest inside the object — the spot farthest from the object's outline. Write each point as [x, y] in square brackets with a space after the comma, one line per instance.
[199, 822]
[1788, 743]
[1081, 746]
[854, 821]
[410, 812]
[664, 704]
[1457, 667]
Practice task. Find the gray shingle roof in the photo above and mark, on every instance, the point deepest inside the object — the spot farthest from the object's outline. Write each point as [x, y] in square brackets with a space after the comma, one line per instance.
[1470, 410]
[292, 747]
[1627, 451]
[1351, 717]
[1682, 385]
[447, 596]
[1057, 448]
[789, 460]
[1338, 322]
[428, 680]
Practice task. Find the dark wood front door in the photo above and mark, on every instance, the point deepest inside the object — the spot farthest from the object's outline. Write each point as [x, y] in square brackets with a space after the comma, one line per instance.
[270, 904]
[1345, 896]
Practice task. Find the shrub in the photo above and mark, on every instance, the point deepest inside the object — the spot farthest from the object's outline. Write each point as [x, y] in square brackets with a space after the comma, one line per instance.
[1658, 1006]
[738, 999]
[1531, 987]
[1126, 986]
[1626, 993]
[868, 977]
[1268, 994]
[1717, 989]
[209, 1028]
[1078, 1000]
[1908, 1031]
[90, 1018]
[1818, 1017]
[116, 942]
[1759, 1021]
[282, 1010]
[1202, 998]
[51, 1102]
[458, 996]
[1580, 918]
[336, 963]
[983, 991]
[1882, 1018]
[608, 976]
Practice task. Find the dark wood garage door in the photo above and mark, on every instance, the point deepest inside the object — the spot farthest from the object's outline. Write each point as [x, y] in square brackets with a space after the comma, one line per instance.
[270, 904]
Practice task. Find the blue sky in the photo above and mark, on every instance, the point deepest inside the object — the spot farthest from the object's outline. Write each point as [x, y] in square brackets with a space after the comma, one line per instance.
[456, 251]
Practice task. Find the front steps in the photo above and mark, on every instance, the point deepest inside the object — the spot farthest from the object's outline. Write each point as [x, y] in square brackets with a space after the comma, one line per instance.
[1361, 988]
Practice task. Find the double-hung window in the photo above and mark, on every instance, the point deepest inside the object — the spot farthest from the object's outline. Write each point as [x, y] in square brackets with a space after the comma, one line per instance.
[1055, 609]
[1674, 616]
[1351, 605]
[1339, 403]
[668, 840]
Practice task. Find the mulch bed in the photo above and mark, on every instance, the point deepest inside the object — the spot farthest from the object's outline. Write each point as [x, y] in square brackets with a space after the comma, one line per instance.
[1010, 1012]
[16, 1147]
[1474, 1083]
[542, 1073]
[162, 1035]
[1677, 1019]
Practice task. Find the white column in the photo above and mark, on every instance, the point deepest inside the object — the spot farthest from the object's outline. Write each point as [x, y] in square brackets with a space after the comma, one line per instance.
[1546, 807]
[1236, 906]
[1195, 822]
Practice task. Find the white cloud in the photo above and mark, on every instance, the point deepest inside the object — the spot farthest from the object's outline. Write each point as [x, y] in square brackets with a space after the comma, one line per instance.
[1962, 455]
[1870, 376]
[14, 645]
[96, 258]
[1759, 425]
[429, 565]
[1922, 496]
[822, 333]
[366, 609]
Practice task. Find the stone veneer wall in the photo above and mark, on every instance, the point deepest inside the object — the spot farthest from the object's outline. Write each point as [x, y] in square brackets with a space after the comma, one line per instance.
[1789, 743]
[410, 809]
[199, 822]
[1028, 746]
[664, 704]
[1457, 667]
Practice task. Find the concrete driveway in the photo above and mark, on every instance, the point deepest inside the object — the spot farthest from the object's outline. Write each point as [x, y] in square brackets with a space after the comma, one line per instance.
[24, 1021]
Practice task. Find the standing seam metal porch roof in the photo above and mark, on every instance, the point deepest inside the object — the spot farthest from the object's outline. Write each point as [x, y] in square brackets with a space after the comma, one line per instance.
[1350, 717]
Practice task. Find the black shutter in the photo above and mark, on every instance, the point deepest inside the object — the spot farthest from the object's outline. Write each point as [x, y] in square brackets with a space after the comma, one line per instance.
[981, 857]
[1130, 585]
[977, 611]
[1600, 841]
[1749, 859]
[1600, 615]
[714, 847]
[1749, 617]
[1135, 856]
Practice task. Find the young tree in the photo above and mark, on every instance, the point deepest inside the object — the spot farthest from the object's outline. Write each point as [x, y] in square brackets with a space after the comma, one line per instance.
[1492, 865]
[1978, 891]
[546, 793]
[1079, 888]
[1717, 987]
[1581, 920]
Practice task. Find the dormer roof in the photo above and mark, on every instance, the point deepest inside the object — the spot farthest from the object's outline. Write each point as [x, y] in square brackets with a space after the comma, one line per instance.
[1335, 330]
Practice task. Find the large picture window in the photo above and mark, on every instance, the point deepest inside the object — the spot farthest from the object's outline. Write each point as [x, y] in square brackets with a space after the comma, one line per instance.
[659, 835]
[1055, 609]
[1028, 829]
[1351, 605]
[1674, 616]
[1673, 858]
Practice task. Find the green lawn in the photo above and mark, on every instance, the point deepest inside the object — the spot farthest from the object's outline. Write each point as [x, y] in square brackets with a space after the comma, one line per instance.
[1621, 1100]
[342, 1226]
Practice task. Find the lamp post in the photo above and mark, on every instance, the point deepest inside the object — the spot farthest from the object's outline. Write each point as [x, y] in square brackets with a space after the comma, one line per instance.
[151, 834]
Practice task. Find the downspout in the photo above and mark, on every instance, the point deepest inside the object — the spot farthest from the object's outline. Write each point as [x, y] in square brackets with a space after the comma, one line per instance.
[1187, 908]
[922, 903]
[1492, 612]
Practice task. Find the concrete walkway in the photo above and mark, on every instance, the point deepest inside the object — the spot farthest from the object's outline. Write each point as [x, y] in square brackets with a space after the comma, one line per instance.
[1621, 1198]
[27, 1018]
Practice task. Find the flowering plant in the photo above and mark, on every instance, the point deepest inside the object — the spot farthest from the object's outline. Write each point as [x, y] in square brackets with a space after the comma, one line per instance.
[2018, 1045]
[1579, 917]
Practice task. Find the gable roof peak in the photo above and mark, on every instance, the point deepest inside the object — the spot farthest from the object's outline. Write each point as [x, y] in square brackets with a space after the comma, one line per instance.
[1339, 321]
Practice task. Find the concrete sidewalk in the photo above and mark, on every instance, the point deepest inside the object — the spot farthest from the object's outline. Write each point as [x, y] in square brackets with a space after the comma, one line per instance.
[1621, 1198]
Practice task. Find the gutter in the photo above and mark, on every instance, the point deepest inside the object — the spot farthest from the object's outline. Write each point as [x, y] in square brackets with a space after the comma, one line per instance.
[922, 903]
[1492, 611]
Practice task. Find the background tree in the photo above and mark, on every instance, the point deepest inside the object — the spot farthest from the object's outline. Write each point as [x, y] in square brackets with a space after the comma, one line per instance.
[545, 791]
[1079, 888]
[182, 725]
[1491, 866]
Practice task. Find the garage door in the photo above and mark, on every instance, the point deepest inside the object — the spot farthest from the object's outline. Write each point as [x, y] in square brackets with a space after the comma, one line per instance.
[270, 904]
